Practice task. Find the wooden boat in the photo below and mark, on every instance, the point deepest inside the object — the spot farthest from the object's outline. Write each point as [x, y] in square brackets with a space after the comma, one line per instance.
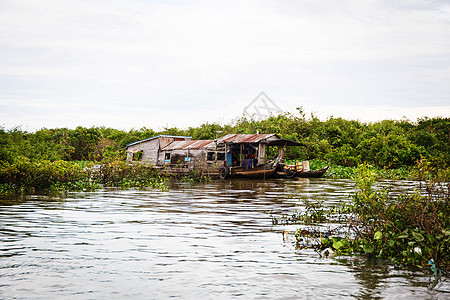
[281, 173]
[256, 172]
[311, 173]
[262, 171]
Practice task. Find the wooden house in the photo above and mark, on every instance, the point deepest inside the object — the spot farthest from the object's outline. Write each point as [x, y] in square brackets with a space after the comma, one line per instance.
[237, 153]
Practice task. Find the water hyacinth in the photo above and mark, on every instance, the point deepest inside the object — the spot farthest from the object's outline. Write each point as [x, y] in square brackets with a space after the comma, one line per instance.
[411, 229]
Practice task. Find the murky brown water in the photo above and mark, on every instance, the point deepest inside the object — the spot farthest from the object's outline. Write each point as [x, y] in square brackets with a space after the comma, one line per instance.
[197, 241]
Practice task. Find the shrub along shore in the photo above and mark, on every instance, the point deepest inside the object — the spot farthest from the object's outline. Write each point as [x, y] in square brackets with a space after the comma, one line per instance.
[29, 176]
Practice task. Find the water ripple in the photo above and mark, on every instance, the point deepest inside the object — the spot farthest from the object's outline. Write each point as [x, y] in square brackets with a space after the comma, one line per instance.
[211, 240]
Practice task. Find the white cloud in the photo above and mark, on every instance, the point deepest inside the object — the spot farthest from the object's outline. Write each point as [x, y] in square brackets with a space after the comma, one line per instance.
[210, 59]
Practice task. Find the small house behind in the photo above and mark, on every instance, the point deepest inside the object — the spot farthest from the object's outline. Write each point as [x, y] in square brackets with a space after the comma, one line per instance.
[148, 150]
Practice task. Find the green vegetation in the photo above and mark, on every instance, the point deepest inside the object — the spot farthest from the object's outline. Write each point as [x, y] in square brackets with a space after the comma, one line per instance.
[47, 156]
[411, 228]
[196, 175]
[337, 171]
[22, 174]
[386, 144]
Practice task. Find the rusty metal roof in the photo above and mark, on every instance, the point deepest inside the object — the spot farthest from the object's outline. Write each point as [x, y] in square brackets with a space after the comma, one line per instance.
[190, 145]
[185, 143]
[175, 137]
[245, 138]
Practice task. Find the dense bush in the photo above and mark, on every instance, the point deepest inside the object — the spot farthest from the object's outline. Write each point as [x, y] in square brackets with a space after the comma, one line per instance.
[27, 174]
[386, 144]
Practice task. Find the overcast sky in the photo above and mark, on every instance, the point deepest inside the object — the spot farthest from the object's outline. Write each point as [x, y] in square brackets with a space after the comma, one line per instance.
[134, 63]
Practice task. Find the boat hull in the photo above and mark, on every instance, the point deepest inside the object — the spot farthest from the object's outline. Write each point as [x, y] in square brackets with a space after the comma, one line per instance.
[312, 173]
[302, 174]
[257, 172]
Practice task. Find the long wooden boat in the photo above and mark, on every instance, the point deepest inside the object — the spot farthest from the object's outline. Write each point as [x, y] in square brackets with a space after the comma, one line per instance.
[265, 171]
[300, 174]
[311, 173]
[256, 172]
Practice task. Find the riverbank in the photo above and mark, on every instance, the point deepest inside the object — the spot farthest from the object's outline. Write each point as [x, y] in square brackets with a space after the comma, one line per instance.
[24, 175]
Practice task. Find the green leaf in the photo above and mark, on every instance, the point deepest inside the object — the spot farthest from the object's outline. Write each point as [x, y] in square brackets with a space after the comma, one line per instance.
[338, 245]
[368, 248]
[378, 235]
[418, 236]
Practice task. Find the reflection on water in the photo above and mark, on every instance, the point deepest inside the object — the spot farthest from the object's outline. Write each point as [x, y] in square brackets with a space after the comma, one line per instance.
[212, 240]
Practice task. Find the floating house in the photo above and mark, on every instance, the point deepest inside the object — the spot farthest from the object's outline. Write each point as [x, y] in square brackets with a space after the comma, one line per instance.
[230, 155]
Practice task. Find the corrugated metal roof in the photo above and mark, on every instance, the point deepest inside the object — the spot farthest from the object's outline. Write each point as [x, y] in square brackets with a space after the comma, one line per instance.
[245, 138]
[191, 144]
[187, 143]
[163, 136]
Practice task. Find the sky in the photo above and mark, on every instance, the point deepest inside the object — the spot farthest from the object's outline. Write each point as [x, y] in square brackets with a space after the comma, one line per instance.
[157, 64]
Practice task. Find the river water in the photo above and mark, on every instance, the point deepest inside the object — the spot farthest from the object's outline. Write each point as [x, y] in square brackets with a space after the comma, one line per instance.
[197, 241]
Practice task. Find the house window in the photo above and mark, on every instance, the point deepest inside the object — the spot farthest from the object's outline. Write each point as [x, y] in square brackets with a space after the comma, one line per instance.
[211, 156]
[220, 156]
[167, 157]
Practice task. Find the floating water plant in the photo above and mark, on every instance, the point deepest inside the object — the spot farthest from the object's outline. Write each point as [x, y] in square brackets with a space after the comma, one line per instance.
[411, 228]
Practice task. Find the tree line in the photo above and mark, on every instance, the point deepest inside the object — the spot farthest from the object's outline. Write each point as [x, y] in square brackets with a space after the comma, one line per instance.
[385, 144]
